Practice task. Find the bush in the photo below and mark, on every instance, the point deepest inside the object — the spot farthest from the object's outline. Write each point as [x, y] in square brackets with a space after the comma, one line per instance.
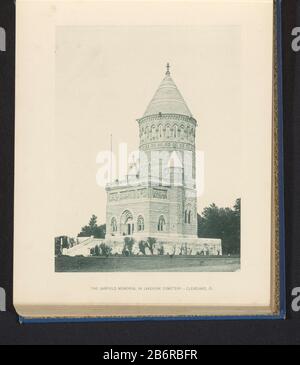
[60, 243]
[151, 241]
[97, 251]
[142, 247]
[161, 250]
[105, 249]
[58, 249]
[128, 246]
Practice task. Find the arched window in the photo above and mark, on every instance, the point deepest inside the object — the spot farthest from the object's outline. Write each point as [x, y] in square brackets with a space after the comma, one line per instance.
[188, 136]
[178, 132]
[160, 131]
[140, 223]
[161, 223]
[153, 132]
[187, 216]
[181, 132]
[114, 225]
[175, 131]
[168, 131]
[127, 225]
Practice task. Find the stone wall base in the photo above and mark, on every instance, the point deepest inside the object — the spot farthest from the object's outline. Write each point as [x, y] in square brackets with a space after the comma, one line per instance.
[163, 245]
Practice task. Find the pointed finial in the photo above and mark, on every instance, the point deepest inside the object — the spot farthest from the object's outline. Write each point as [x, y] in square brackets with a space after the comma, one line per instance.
[168, 69]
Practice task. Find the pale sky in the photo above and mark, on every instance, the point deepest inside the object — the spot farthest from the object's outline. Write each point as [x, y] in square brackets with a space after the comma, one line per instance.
[105, 78]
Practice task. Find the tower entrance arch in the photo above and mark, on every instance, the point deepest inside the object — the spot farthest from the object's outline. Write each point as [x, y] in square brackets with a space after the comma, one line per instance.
[127, 224]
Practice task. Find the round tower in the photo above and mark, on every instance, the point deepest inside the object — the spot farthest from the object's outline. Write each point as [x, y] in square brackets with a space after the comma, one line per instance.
[167, 136]
[167, 154]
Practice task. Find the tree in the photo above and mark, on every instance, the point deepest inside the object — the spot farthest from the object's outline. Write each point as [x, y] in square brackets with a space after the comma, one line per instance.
[128, 245]
[223, 223]
[105, 249]
[93, 222]
[72, 241]
[142, 247]
[92, 229]
[161, 250]
[151, 241]
[58, 248]
[97, 251]
[60, 243]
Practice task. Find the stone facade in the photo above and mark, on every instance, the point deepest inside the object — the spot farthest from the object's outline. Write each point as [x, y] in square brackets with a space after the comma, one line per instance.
[160, 199]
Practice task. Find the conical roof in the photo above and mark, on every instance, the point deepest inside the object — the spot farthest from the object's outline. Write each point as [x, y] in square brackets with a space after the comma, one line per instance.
[167, 99]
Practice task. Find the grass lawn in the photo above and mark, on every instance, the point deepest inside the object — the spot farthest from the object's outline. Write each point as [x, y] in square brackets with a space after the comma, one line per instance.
[147, 263]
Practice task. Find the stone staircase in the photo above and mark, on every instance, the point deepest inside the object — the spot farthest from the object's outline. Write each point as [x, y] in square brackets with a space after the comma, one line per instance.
[83, 248]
